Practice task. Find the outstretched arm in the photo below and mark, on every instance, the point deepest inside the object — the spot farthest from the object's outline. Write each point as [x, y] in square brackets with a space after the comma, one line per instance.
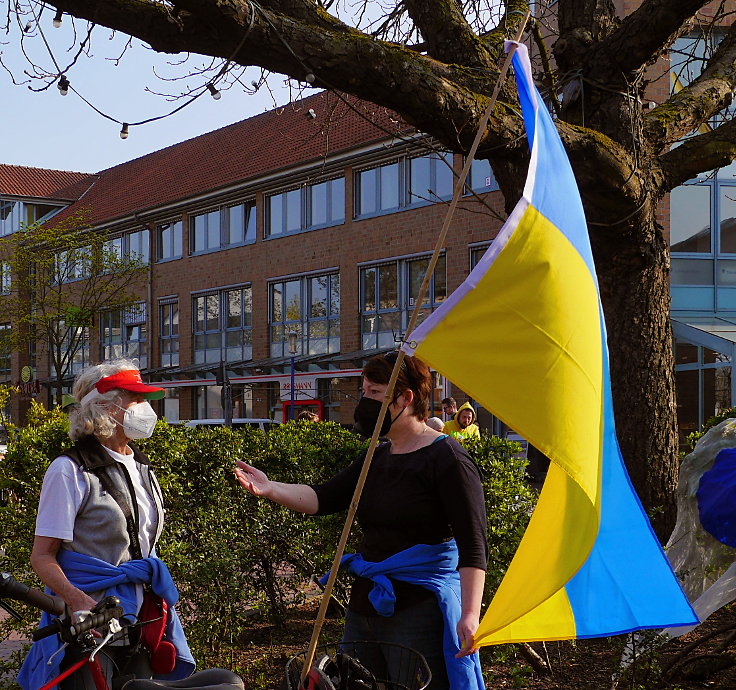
[299, 497]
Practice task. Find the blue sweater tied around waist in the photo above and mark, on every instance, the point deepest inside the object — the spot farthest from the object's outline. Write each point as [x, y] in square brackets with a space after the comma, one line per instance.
[93, 575]
[433, 567]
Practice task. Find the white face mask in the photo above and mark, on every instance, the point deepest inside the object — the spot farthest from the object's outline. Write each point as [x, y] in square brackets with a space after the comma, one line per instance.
[139, 421]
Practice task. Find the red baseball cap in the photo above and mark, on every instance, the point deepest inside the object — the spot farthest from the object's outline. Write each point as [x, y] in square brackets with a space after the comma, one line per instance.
[129, 380]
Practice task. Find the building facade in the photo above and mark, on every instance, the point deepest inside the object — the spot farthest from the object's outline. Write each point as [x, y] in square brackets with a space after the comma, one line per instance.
[295, 241]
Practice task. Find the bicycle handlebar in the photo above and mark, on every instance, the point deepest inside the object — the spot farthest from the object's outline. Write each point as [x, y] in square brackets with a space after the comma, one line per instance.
[10, 588]
[104, 612]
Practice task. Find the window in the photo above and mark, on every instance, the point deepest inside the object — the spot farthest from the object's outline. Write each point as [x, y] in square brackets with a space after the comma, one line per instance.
[74, 348]
[5, 349]
[702, 211]
[11, 216]
[5, 278]
[430, 178]
[309, 306]
[703, 379]
[221, 228]
[169, 238]
[123, 334]
[306, 208]
[132, 246]
[136, 246]
[476, 254]
[409, 181]
[72, 264]
[168, 333]
[482, 178]
[388, 292]
[223, 326]
[16, 214]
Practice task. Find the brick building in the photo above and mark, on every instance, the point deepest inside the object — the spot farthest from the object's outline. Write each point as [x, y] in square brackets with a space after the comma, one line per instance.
[316, 219]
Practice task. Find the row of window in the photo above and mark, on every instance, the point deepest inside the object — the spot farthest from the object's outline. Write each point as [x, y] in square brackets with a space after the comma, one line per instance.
[308, 306]
[402, 183]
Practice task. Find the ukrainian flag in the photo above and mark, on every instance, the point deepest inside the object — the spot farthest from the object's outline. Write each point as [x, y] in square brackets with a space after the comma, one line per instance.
[525, 336]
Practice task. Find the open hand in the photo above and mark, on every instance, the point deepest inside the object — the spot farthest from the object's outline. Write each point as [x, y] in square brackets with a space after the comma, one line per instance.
[251, 479]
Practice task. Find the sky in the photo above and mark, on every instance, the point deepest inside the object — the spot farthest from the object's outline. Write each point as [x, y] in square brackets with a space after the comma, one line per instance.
[47, 130]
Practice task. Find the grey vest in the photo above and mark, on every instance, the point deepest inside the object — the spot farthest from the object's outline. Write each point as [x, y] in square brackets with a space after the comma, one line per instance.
[100, 528]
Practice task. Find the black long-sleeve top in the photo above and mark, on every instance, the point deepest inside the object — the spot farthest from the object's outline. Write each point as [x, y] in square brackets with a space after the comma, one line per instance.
[424, 497]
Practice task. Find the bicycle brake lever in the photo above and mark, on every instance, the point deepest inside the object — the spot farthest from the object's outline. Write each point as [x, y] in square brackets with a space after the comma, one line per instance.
[61, 649]
[113, 627]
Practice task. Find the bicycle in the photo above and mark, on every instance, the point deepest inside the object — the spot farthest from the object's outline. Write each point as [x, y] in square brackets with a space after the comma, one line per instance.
[107, 618]
[345, 666]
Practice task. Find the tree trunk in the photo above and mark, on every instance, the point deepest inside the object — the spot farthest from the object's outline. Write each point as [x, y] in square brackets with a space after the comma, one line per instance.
[634, 283]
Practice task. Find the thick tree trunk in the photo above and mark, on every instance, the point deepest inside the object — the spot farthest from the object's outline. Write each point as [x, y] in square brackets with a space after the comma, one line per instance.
[634, 283]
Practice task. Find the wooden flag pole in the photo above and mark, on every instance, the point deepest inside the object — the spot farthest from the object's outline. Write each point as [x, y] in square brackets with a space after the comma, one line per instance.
[459, 184]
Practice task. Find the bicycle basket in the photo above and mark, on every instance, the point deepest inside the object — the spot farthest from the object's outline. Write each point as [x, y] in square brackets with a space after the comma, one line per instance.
[362, 665]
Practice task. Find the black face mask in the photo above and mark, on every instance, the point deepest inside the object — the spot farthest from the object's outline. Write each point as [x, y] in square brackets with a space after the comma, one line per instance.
[366, 415]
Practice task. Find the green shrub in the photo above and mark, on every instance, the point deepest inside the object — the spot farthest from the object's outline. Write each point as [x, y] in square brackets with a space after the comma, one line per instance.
[695, 436]
[231, 554]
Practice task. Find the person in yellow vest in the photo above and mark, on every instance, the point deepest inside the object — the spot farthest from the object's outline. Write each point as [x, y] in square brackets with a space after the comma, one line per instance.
[463, 425]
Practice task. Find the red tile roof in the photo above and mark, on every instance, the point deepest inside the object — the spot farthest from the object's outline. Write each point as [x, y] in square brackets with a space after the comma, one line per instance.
[246, 150]
[18, 180]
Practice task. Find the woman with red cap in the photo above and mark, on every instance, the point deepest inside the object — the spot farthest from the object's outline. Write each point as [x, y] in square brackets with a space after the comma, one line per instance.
[100, 515]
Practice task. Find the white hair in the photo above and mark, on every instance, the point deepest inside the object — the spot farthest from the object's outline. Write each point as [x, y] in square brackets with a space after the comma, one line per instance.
[91, 416]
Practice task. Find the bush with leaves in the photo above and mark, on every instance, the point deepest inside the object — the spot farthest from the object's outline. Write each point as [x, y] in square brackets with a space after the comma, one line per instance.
[695, 436]
[230, 554]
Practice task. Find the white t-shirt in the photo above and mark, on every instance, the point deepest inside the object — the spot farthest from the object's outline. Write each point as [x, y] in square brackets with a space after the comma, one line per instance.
[63, 491]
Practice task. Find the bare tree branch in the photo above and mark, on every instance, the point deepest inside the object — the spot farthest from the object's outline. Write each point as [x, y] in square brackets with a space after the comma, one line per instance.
[707, 95]
[715, 149]
[448, 36]
[641, 37]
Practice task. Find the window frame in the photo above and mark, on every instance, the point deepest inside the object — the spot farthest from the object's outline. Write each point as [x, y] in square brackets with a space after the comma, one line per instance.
[302, 325]
[306, 207]
[407, 197]
[222, 233]
[129, 318]
[171, 255]
[246, 327]
[168, 335]
[404, 300]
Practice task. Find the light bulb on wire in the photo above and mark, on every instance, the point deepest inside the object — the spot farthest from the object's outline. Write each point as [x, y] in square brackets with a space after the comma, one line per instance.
[63, 85]
[214, 92]
[57, 19]
[309, 78]
[124, 131]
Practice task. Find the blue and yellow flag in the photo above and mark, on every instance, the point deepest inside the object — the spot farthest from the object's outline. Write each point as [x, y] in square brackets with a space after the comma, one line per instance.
[529, 324]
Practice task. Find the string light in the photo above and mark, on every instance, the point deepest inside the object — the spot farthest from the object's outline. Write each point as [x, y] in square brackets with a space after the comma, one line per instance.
[63, 85]
[216, 95]
[28, 27]
[309, 78]
[124, 131]
[57, 19]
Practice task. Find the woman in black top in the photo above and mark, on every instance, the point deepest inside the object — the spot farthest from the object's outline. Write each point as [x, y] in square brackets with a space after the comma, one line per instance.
[422, 505]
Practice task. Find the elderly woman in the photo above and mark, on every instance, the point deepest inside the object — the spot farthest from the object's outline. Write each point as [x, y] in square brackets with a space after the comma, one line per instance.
[99, 516]
[422, 514]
